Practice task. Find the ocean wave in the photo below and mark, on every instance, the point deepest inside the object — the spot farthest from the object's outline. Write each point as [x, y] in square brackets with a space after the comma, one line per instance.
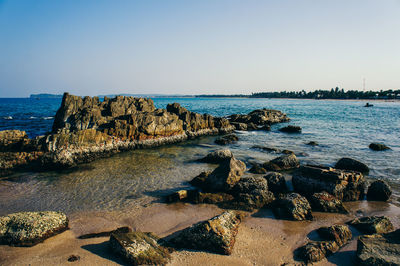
[32, 117]
[8, 117]
[47, 117]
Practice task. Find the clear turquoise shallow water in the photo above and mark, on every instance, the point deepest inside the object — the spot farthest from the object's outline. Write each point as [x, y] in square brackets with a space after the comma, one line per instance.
[135, 178]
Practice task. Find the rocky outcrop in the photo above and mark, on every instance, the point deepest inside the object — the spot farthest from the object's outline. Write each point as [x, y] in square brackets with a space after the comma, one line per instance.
[87, 128]
[379, 249]
[217, 156]
[228, 139]
[352, 165]
[291, 129]
[31, 228]
[285, 162]
[378, 147]
[334, 237]
[225, 176]
[379, 190]
[139, 248]
[216, 235]
[293, 206]
[276, 182]
[372, 224]
[325, 202]
[344, 185]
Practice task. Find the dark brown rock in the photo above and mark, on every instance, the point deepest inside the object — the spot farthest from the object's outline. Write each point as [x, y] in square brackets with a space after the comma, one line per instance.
[339, 233]
[372, 224]
[379, 190]
[352, 165]
[312, 143]
[291, 129]
[344, 185]
[294, 207]
[200, 180]
[378, 147]
[285, 162]
[276, 182]
[317, 250]
[325, 202]
[257, 169]
[260, 117]
[379, 249]
[140, 248]
[225, 176]
[215, 235]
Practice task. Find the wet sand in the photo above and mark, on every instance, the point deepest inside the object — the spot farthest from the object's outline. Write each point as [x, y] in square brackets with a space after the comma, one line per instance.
[262, 239]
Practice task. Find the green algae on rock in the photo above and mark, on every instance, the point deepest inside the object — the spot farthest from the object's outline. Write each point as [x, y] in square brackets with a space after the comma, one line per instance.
[31, 228]
[139, 248]
[215, 235]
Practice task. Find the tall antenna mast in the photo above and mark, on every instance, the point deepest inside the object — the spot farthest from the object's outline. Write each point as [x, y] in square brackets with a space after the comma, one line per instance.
[363, 84]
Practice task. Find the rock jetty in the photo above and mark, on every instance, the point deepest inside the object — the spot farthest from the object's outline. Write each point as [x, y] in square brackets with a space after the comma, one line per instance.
[87, 128]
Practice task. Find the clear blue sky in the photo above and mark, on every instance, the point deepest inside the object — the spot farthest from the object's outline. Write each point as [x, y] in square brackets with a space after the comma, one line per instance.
[191, 47]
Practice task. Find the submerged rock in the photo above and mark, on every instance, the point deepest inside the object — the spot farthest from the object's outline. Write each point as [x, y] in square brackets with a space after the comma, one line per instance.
[379, 190]
[139, 248]
[344, 185]
[225, 176]
[251, 193]
[216, 235]
[276, 182]
[325, 202]
[372, 224]
[285, 162]
[312, 143]
[217, 156]
[352, 165]
[265, 148]
[378, 147]
[294, 207]
[379, 249]
[291, 129]
[228, 139]
[31, 228]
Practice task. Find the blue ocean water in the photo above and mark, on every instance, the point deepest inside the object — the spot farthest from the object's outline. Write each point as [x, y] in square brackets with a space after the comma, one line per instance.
[130, 179]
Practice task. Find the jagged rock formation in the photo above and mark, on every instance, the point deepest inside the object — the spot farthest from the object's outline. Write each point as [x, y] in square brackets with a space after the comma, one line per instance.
[325, 202]
[30, 228]
[344, 185]
[87, 128]
[216, 235]
[294, 207]
[372, 224]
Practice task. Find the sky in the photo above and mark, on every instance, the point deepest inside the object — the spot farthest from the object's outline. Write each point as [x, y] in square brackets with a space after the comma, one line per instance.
[197, 47]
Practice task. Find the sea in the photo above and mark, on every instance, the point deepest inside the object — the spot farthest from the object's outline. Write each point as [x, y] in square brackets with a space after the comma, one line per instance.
[133, 179]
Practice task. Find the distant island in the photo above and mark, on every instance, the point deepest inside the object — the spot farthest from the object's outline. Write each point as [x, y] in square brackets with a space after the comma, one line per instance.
[334, 93]
[45, 96]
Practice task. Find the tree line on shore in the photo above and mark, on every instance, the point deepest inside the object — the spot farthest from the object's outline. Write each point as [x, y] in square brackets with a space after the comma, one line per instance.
[334, 93]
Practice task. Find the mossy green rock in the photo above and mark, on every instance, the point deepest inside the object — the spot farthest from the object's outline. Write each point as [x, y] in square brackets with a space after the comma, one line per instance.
[215, 235]
[30, 228]
[139, 248]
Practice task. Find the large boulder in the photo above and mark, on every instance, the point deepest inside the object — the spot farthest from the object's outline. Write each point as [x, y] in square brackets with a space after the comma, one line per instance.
[372, 224]
[284, 162]
[344, 185]
[216, 235]
[379, 249]
[139, 248]
[291, 129]
[325, 202]
[352, 165]
[339, 233]
[252, 193]
[378, 147]
[276, 182]
[225, 176]
[379, 190]
[294, 207]
[228, 139]
[31, 228]
[217, 156]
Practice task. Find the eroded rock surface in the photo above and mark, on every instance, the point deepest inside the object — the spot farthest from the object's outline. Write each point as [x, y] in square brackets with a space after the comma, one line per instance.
[285, 162]
[294, 207]
[216, 235]
[225, 176]
[372, 224]
[325, 202]
[217, 156]
[344, 185]
[31, 228]
[276, 182]
[139, 248]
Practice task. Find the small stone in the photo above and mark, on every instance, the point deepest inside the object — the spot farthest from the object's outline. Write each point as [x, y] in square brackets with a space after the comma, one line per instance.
[73, 258]
[378, 147]
[379, 190]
